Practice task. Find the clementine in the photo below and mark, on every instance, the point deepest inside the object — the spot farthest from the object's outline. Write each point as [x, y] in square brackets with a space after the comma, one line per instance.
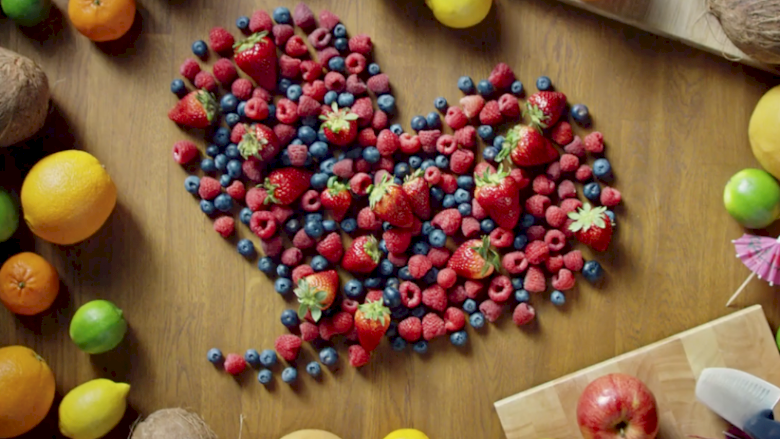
[28, 390]
[28, 284]
[102, 20]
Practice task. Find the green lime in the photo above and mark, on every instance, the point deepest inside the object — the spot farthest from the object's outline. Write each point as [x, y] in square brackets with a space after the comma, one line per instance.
[752, 197]
[26, 12]
[9, 215]
[97, 327]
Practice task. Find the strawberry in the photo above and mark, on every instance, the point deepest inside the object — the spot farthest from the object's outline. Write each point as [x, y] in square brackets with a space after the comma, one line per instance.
[340, 126]
[474, 259]
[419, 194]
[371, 321]
[258, 141]
[499, 195]
[256, 56]
[362, 256]
[390, 203]
[316, 293]
[196, 110]
[336, 198]
[545, 108]
[592, 227]
[285, 185]
[527, 146]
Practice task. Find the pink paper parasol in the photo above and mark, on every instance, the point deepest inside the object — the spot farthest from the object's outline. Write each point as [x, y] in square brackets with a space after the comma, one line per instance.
[762, 256]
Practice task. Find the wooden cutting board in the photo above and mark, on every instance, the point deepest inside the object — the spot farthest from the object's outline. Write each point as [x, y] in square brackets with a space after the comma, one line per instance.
[683, 20]
[742, 340]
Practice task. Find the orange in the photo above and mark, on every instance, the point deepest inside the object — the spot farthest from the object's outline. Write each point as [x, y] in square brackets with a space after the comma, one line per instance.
[102, 20]
[28, 284]
[28, 390]
[67, 196]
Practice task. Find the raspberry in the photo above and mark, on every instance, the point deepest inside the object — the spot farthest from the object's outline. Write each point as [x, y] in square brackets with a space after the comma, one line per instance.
[472, 105]
[236, 190]
[447, 220]
[553, 171]
[575, 147]
[569, 163]
[335, 81]
[286, 111]
[282, 33]
[206, 81]
[563, 280]
[536, 252]
[490, 114]
[535, 233]
[523, 314]
[320, 38]
[409, 144]
[311, 71]
[491, 310]
[367, 220]
[356, 63]
[387, 142]
[473, 288]
[561, 133]
[379, 84]
[359, 183]
[433, 326]
[432, 175]
[363, 167]
[397, 240]
[325, 55]
[358, 356]
[566, 189]
[327, 330]
[554, 263]
[477, 211]
[461, 161]
[252, 169]
[309, 331]
[331, 248]
[534, 281]
[272, 247]
[261, 21]
[289, 67]
[446, 278]
[288, 346]
[411, 295]
[350, 306]
[300, 272]
[263, 224]
[584, 173]
[189, 68]
[470, 227]
[610, 196]
[514, 262]
[292, 257]
[328, 19]
[502, 76]
[261, 93]
[419, 266]
[220, 40]
[427, 140]
[410, 329]
[380, 175]
[380, 120]
[555, 216]
[373, 296]
[570, 205]
[224, 71]
[500, 289]
[256, 109]
[501, 238]
[343, 322]
[255, 199]
[509, 106]
[448, 183]
[315, 90]
[398, 259]
[303, 17]
[344, 168]
[234, 364]
[225, 225]
[566, 230]
[385, 163]
[594, 142]
[184, 152]
[466, 137]
[308, 106]
[241, 89]
[573, 260]
[209, 188]
[435, 298]
[457, 295]
[454, 319]
[536, 205]
[455, 118]
[521, 177]
[361, 44]
[302, 240]
[353, 335]
[438, 257]
[446, 144]
[555, 240]
[543, 185]
[281, 213]
[296, 47]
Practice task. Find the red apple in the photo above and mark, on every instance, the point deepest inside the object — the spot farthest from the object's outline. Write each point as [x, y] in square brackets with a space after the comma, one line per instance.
[617, 406]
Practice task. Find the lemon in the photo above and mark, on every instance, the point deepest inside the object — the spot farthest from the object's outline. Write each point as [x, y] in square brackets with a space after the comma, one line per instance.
[92, 409]
[97, 327]
[460, 13]
[764, 131]
[407, 433]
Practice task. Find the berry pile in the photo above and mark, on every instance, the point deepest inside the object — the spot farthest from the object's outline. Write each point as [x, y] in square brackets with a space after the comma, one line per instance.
[431, 237]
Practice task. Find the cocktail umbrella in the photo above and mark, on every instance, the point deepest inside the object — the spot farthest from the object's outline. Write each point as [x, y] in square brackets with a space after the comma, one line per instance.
[762, 256]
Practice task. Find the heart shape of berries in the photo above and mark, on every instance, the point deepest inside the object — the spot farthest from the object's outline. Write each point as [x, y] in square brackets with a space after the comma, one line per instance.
[431, 237]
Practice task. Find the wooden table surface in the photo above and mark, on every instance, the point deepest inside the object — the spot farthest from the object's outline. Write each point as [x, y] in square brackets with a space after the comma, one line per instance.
[675, 122]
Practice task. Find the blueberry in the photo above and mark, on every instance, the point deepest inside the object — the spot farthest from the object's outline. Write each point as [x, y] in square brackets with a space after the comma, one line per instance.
[466, 85]
[340, 31]
[327, 165]
[341, 44]
[192, 184]
[289, 375]
[245, 248]
[319, 180]
[223, 202]
[283, 285]
[477, 320]
[294, 92]
[252, 357]
[386, 268]
[321, 136]
[266, 265]
[516, 88]
[462, 196]
[602, 169]
[397, 129]
[592, 271]
[307, 135]
[318, 150]
[437, 238]
[557, 298]
[448, 201]
[419, 123]
[433, 120]
[611, 216]
[470, 306]
[420, 248]
[314, 229]
[242, 23]
[353, 289]
[421, 347]
[398, 344]
[415, 162]
[464, 209]
[580, 114]
[329, 225]
[372, 282]
[386, 103]
[427, 164]
[225, 180]
[214, 355]
[498, 142]
[489, 153]
[401, 169]
[240, 109]
[268, 358]
[200, 49]
[487, 225]
[398, 313]
[228, 103]
[517, 283]
[373, 69]
[442, 162]
[371, 155]
[337, 64]
[245, 215]
[466, 182]
[177, 87]
[330, 97]
[522, 296]
[485, 132]
[592, 191]
[437, 193]
[329, 356]
[221, 137]
[282, 15]
[265, 376]
[207, 207]
[220, 162]
[431, 276]
[212, 150]
[311, 122]
[313, 217]
[419, 312]
[234, 169]
[440, 104]
[405, 274]
[485, 88]
[292, 226]
[391, 297]
[527, 220]
[232, 152]
[346, 99]
[354, 153]
[284, 84]
[459, 338]
[349, 225]
[427, 228]
[314, 369]
[289, 318]
[319, 263]
[543, 83]
[283, 270]
[271, 111]
[392, 282]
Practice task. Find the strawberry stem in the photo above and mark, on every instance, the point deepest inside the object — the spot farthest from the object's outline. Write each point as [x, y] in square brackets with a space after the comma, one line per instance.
[376, 310]
[250, 41]
[335, 187]
[209, 103]
[270, 188]
[310, 300]
[338, 119]
[250, 144]
[378, 192]
[587, 217]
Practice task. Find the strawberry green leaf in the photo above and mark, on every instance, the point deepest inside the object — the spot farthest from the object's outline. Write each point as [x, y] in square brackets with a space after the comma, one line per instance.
[302, 311]
[586, 217]
[375, 311]
[378, 192]
[209, 103]
[316, 314]
[250, 41]
[320, 296]
[250, 144]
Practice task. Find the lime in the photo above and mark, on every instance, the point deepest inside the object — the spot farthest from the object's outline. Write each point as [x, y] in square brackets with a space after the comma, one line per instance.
[9, 215]
[26, 12]
[92, 409]
[752, 197]
[97, 327]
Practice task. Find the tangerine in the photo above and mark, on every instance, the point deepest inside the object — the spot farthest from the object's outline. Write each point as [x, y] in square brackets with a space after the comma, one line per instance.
[102, 20]
[28, 284]
[28, 390]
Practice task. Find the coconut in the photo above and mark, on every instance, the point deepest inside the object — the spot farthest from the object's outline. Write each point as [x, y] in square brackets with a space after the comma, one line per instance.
[172, 423]
[752, 25]
[24, 97]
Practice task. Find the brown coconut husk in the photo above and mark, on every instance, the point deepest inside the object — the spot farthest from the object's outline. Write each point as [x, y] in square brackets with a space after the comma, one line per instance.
[24, 97]
[173, 423]
[752, 25]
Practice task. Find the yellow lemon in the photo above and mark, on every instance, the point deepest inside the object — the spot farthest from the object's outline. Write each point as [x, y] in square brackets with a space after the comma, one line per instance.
[407, 433]
[67, 196]
[764, 131]
[92, 409]
[460, 13]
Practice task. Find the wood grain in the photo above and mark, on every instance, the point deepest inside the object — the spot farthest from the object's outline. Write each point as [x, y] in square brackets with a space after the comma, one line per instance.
[675, 121]
[670, 368]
